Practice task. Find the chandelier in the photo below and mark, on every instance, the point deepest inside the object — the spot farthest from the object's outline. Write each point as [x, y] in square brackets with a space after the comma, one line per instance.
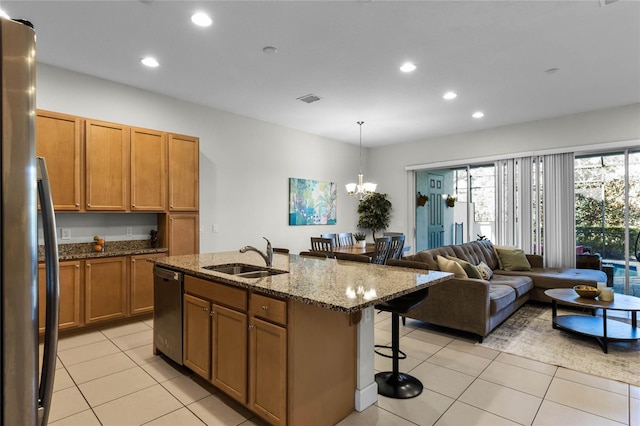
[360, 189]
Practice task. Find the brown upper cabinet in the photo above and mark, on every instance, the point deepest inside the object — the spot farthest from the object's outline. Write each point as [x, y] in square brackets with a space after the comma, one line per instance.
[183, 173]
[148, 170]
[107, 166]
[99, 166]
[58, 141]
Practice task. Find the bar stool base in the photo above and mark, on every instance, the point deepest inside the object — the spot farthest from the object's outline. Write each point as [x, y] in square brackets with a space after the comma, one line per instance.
[400, 386]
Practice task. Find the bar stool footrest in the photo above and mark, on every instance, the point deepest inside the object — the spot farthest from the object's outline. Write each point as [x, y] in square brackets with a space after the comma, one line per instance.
[401, 355]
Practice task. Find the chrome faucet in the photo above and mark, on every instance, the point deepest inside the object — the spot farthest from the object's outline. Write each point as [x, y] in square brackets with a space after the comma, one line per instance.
[268, 257]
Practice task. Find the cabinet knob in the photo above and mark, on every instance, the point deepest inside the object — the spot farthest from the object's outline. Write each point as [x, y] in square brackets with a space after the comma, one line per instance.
[77, 204]
[205, 309]
[250, 326]
[133, 205]
[265, 308]
[88, 205]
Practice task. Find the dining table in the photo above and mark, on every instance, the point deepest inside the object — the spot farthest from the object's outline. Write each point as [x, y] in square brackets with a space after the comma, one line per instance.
[367, 249]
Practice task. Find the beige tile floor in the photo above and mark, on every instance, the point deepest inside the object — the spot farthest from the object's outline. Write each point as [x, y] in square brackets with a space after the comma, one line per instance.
[111, 377]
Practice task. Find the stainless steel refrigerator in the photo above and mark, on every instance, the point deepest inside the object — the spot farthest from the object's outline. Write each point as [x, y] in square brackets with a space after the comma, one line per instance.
[25, 396]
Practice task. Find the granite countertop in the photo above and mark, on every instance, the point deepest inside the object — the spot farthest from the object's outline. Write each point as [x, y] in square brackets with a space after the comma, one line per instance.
[333, 284]
[78, 251]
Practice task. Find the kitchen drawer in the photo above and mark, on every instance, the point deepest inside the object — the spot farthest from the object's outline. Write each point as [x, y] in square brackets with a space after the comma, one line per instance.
[269, 308]
[216, 292]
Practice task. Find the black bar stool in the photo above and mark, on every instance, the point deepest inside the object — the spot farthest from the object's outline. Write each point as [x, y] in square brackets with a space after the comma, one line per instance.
[394, 384]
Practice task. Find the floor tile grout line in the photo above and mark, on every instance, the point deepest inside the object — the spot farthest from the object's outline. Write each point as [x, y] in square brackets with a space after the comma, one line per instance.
[586, 411]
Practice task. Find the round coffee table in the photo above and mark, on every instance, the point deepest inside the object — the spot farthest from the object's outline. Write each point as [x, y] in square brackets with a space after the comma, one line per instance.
[602, 329]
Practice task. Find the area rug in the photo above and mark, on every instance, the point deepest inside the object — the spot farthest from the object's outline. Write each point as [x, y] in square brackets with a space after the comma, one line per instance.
[528, 333]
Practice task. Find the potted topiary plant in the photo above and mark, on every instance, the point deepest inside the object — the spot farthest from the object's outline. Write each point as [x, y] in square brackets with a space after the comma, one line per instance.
[375, 213]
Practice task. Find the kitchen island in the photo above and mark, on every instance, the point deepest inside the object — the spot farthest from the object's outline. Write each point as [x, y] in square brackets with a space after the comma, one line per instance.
[295, 347]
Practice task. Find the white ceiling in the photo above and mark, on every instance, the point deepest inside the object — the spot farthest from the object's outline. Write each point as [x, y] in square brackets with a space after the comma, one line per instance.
[492, 53]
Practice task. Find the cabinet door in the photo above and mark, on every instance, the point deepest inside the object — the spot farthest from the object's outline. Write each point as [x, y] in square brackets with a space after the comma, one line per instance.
[184, 234]
[148, 170]
[69, 313]
[107, 166]
[197, 335]
[58, 141]
[184, 161]
[105, 289]
[268, 370]
[141, 279]
[229, 351]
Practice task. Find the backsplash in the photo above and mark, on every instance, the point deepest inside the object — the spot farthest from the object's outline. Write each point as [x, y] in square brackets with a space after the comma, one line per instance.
[81, 227]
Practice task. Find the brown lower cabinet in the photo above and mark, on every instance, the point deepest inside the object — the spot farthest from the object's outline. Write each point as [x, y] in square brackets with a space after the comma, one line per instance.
[141, 283]
[101, 289]
[105, 286]
[288, 362]
[69, 278]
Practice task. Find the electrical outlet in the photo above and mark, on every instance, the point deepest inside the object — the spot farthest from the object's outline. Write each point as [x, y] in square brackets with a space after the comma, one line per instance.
[65, 234]
[214, 228]
[129, 231]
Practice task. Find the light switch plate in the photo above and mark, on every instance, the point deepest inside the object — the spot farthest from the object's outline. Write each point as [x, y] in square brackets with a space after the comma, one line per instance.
[129, 231]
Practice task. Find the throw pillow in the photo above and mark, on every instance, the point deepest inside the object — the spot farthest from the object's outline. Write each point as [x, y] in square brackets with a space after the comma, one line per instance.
[469, 269]
[447, 265]
[495, 250]
[485, 271]
[513, 260]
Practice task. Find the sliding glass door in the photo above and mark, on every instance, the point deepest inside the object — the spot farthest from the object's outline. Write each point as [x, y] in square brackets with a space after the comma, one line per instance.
[608, 214]
[460, 206]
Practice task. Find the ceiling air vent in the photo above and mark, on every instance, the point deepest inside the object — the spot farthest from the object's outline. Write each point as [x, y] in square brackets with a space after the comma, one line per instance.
[309, 98]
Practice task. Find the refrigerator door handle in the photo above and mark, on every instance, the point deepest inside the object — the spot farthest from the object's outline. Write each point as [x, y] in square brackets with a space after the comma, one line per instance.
[53, 293]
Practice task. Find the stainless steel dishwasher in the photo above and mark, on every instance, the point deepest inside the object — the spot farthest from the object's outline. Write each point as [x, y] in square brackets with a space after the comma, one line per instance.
[168, 287]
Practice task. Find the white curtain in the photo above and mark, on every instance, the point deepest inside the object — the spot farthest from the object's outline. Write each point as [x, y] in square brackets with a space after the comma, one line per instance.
[524, 215]
[505, 203]
[559, 211]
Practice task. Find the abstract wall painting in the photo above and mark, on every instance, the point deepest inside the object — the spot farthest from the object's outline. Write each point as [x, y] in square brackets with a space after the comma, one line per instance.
[312, 202]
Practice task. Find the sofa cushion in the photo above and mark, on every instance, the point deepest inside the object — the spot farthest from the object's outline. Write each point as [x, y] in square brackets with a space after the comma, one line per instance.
[500, 296]
[454, 267]
[469, 269]
[560, 277]
[513, 259]
[520, 283]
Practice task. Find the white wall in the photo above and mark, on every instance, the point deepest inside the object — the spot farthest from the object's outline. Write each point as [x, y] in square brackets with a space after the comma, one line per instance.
[245, 164]
[387, 163]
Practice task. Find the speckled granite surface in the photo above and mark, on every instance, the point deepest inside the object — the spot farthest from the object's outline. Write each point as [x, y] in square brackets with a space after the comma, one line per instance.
[112, 248]
[332, 284]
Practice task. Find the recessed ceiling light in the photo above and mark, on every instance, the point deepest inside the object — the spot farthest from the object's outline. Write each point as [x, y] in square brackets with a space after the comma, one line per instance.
[201, 19]
[150, 62]
[408, 67]
[450, 95]
[269, 50]
[478, 114]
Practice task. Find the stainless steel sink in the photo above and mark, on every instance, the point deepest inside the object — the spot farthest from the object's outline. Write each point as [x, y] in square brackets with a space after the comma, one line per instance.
[244, 270]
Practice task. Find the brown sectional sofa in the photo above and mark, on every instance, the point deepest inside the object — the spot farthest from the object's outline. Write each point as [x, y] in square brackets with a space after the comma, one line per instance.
[478, 306]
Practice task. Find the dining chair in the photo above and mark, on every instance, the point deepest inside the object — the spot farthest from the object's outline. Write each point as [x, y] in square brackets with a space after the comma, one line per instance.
[322, 244]
[381, 250]
[397, 247]
[345, 239]
[333, 237]
[320, 254]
